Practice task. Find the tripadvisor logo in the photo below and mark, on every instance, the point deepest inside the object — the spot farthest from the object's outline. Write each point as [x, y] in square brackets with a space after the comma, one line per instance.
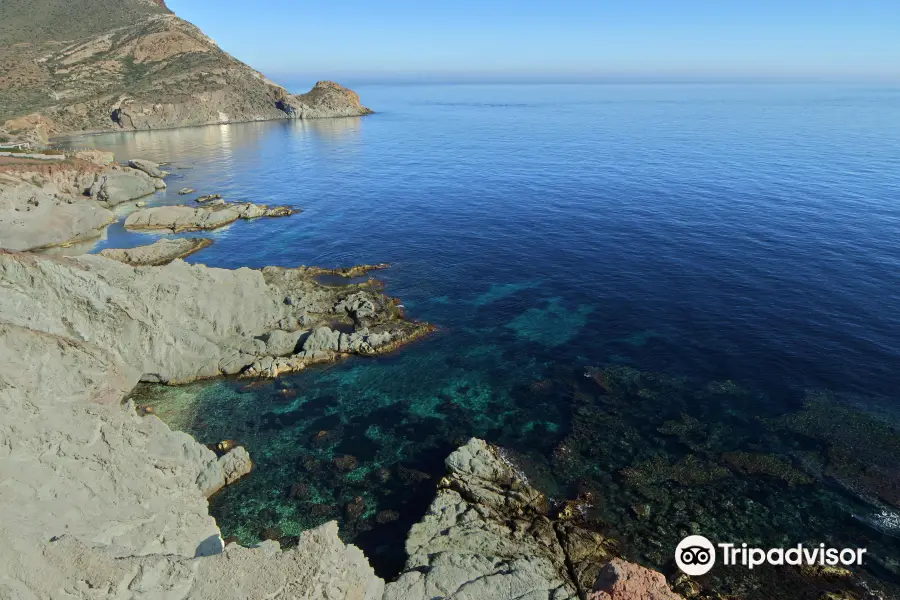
[696, 555]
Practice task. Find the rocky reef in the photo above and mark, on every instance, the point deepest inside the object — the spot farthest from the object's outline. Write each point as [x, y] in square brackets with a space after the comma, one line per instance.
[131, 64]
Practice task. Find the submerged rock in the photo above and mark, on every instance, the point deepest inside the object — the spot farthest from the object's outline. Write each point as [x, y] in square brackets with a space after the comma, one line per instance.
[160, 252]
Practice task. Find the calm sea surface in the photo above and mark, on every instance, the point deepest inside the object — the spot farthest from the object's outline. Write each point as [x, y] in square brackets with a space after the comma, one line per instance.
[684, 299]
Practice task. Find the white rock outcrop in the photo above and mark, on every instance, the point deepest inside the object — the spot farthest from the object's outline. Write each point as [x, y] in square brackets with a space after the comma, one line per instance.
[97, 503]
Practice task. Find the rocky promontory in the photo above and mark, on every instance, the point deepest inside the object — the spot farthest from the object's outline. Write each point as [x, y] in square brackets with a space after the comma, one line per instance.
[181, 322]
[210, 216]
[490, 535]
[103, 65]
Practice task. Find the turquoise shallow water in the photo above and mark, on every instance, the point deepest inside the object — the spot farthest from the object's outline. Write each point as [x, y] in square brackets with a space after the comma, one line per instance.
[680, 298]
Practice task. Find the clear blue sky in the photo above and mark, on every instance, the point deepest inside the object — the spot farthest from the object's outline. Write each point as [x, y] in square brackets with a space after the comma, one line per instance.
[567, 39]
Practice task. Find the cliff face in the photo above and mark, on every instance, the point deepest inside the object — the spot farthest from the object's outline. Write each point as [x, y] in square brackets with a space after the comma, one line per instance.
[103, 65]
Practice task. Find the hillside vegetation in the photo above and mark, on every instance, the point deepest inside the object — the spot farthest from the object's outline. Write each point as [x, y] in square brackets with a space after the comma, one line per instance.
[54, 20]
[97, 65]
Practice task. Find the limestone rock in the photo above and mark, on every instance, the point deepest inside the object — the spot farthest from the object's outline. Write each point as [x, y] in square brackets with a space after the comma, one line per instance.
[160, 252]
[482, 538]
[75, 462]
[186, 218]
[487, 536]
[100, 503]
[124, 185]
[43, 205]
[180, 322]
[235, 464]
[281, 343]
[320, 567]
[150, 168]
[33, 218]
[326, 99]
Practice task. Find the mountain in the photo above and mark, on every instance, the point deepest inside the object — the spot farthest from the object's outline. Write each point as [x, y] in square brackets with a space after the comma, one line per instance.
[106, 65]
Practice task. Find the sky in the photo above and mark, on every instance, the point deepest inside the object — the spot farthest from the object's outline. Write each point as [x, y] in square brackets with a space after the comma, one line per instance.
[558, 41]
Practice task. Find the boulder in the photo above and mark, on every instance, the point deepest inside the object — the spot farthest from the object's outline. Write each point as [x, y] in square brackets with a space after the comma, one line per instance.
[281, 343]
[488, 536]
[235, 464]
[150, 168]
[621, 580]
[160, 252]
[124, 185]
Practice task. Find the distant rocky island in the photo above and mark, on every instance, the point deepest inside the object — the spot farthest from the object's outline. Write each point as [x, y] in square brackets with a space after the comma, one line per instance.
[74, 66]
[99, 499]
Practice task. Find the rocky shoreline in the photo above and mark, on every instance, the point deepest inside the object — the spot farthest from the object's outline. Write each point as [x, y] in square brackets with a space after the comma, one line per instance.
[119, 502]
[47, 204]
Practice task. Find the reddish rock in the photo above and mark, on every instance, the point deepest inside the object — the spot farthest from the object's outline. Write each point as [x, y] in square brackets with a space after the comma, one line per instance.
[620, 580]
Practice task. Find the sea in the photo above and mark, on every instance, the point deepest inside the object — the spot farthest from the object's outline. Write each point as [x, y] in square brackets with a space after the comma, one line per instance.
[677, 302]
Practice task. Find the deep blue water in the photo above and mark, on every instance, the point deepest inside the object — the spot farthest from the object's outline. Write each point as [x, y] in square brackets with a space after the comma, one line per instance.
[732, 251]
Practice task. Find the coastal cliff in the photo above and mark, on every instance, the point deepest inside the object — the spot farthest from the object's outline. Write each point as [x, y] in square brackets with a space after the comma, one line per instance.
[88, 66]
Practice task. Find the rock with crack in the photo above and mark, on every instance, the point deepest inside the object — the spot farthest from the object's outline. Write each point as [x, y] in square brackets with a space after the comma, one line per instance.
[161, 252]
[186, 218]
[100, 503]
[44, 205]
[179, 322]
[488, 536]
[484, 536]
